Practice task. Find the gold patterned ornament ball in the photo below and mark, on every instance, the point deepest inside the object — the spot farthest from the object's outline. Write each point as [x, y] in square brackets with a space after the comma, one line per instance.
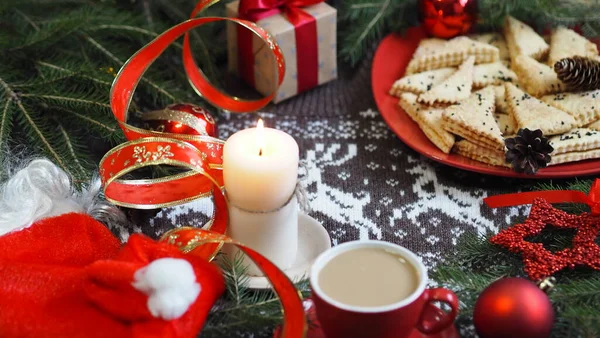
[181, 118]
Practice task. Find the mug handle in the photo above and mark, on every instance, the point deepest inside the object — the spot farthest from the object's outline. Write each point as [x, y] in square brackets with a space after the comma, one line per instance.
[428, 326]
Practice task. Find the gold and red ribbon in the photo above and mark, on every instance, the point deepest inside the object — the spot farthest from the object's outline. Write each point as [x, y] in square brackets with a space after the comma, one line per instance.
[201, 155]
[305, 31]
[552, 196]
[203, 87]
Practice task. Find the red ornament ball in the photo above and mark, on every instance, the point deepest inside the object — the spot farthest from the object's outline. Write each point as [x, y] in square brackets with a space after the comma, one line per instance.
[181, 118]
[512, 308]
[447, 18]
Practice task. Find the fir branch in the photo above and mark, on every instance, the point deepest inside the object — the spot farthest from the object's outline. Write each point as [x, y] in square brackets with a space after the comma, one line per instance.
[70, 73]
[104, 127]
[68, 101]
[244, 310]
[368, 29]
[102, 49]
[5, 121]
[364, 22]
[121, 28]
[71, 148]
[28, 19]
[11, 93]
[41, 136]
[60, 57]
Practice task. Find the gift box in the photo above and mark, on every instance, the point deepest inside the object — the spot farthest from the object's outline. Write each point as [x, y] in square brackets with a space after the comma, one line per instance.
[306, 36]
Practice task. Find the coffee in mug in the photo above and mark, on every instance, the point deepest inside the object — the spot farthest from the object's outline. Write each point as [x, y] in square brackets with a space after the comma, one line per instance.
[369, 277]
[375, 289]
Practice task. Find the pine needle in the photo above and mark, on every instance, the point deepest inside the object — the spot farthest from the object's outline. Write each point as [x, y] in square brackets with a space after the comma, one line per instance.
[59, 59]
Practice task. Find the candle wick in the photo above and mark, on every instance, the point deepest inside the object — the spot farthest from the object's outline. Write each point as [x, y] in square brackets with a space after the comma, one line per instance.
[260, 152]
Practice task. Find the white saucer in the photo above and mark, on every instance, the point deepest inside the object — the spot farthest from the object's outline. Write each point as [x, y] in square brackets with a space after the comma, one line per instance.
[313, 239]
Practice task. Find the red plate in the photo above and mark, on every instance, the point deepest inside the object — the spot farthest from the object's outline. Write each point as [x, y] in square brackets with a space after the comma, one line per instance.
[391, 59]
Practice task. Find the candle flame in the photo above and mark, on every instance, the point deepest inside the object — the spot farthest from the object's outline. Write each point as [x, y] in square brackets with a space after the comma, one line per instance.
[260, 136]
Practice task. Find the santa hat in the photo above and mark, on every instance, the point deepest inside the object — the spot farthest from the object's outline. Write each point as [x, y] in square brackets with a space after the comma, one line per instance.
[64, 274]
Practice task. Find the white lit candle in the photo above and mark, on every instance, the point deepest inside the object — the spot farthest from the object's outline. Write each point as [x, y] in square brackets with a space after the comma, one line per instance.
[260, 170]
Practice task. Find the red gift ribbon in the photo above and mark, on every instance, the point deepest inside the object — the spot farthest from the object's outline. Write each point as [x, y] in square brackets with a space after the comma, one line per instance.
[213, 95]
[552, 196]
[305, 30]
[202, 155]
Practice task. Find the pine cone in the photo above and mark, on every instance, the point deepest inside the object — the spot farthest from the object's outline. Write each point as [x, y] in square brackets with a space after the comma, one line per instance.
[528, 151]
[579, 73]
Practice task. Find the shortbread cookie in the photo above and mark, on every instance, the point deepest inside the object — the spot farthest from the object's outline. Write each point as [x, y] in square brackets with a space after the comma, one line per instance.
[566, 43]
[575, 156]
[533, 114]
[580, 139]
[429, 120]
[537, 78]
[421, 82]
[479, 153]
[584, 107]
[451, 54]
[523, 40]
[506, 123]
[473, 119]
[500, 100]
[454, 88]
[594, 125]
[492, 74]
[496, 40]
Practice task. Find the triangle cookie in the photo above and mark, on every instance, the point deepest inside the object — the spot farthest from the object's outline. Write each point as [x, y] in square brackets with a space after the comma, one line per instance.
[496, 40]
[473, 119]
[506, 123]
[575, 156]
[580, 139]
[523, 40]
[451, 54]
[584, 107]
[594, 125]
[421, 82]
[492, 74]
[537, 78]
[576, 145]
[429, 120]
[566, 43]
[479, 153]
[453, 89]
[501, 106]
[533, 114]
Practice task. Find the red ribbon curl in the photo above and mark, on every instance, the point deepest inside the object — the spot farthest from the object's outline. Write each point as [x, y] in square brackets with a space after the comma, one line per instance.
[552, 196]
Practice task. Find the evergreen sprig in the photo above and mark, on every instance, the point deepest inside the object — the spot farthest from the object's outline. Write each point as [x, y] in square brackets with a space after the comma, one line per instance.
[243, 310]
[363, 22]
[59, 58]
[477, 263]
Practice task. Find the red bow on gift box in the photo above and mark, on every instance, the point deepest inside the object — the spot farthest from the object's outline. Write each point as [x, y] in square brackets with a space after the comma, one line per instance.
[255, 10]
[552, 196]
[305, 30]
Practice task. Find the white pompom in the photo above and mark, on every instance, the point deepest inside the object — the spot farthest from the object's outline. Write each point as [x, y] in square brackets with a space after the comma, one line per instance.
[170, 284]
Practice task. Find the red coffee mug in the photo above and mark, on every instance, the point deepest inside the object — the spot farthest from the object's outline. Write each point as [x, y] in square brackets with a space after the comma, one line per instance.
[397, 320]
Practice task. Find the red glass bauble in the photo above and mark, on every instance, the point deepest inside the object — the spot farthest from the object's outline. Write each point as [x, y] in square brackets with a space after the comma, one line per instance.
[447, 18]
[513, 307]
[181, 118]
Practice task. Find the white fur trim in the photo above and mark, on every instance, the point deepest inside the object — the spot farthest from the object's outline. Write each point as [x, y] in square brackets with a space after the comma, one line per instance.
[170, 284]
[38, 191]
[41, 190]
